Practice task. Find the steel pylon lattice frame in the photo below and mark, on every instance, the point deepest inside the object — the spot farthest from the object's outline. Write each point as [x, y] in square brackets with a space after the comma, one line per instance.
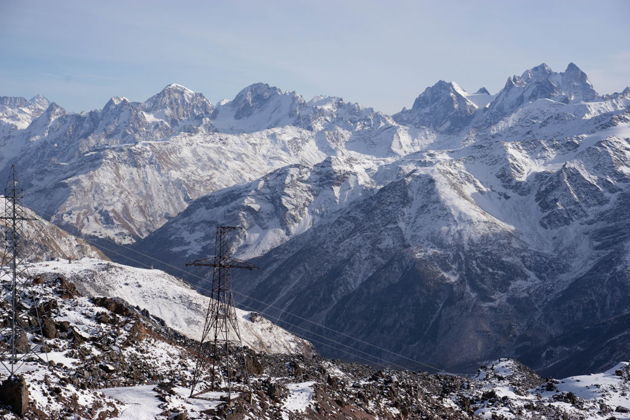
[13, 268]
[220, 316]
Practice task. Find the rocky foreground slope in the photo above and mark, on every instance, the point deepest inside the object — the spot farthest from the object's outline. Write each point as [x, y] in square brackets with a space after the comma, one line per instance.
[107, 359]
[182, 308]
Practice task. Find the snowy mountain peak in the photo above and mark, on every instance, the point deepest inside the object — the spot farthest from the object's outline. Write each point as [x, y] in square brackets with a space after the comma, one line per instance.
[575, 84]
[178, 87]
[39, 101]
[325, 101]
[255, 97]
[541, 82]
[482, 91]
[171, 92]
[54, 111]
[177, 103]
[114, 101]
[18, 113]
[443, 106]
[258, 107]
[258, 89]
[573, 68]
[442, 86]
[441, 92]
[539, 72]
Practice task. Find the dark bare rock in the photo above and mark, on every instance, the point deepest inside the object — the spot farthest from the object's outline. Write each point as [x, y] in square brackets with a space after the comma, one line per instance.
[14, 393]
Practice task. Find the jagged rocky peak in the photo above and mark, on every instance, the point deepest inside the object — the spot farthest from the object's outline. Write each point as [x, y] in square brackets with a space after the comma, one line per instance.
[36, 103]
[571, 85]
[444, 107]
[178, 102]
[259, 107]
[439, 91]
[53, 112]
[114, 102]
[42, 122]
[576, 85]
[541, 82]
[39, 101]
[118, 110]
[323, 112]
[18, 112]
[539, 72]
[331, 105]
[256, 96]
[13, 101]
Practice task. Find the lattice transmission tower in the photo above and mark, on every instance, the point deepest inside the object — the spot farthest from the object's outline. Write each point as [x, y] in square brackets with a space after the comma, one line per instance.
[220, 329]
[21, 321]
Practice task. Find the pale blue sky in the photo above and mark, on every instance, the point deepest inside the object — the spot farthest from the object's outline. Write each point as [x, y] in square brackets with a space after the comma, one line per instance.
[378, 53]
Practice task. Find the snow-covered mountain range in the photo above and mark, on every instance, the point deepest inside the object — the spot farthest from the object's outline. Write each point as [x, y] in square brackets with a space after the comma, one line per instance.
[468, 227]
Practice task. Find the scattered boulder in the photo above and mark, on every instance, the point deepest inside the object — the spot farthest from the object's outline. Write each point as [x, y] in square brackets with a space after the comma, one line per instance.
[253, 366]
[21, 343]
[568, 397]
[103, 318]
[277, 392]
[137, 333]
[39, 280]
[67, 288]
[76, 336]
[49, 330]
[14, 393]
[115, 305]
[45, 309]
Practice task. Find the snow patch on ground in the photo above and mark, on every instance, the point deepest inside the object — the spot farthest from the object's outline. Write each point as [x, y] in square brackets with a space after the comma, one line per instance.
[301, 394]
[140, 402]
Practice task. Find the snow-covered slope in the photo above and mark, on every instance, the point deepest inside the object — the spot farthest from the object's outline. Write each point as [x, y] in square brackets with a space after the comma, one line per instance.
[181, 307]
[41, 240]
[271, 210]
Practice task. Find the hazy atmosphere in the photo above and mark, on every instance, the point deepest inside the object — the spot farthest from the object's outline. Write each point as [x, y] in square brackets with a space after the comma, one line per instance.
[379, 54]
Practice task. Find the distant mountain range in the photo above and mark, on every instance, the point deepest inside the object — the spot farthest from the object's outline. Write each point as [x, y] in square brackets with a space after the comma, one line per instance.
[469, 227]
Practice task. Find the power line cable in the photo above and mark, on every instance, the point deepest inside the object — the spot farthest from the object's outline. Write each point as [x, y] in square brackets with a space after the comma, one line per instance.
[99, 244]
